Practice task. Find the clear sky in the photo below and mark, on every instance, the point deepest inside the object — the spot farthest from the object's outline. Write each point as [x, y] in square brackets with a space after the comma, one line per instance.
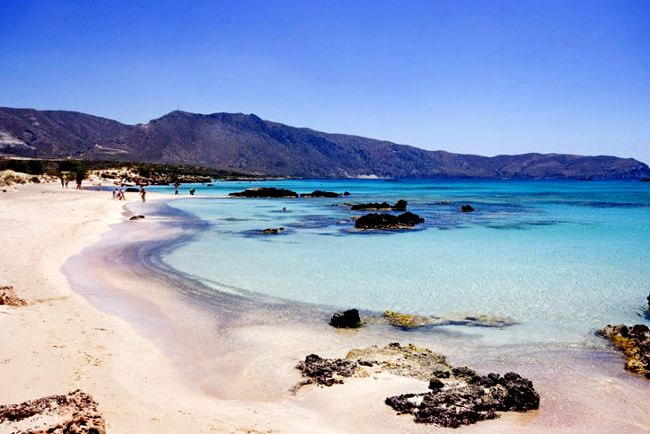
[483, 77]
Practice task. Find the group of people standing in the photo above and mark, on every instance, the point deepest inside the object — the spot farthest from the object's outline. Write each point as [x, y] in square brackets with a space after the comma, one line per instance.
[118, 193]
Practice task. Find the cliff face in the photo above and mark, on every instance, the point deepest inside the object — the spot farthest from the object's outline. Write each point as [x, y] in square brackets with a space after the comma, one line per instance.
[247, 143]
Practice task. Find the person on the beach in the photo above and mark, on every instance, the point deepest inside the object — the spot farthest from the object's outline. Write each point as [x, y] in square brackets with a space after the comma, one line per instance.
[78, 184]
[116, 193]
[192, 191]
[176, 185]
[120, 195]
[66, 182]
[142, 193]
[62, 182]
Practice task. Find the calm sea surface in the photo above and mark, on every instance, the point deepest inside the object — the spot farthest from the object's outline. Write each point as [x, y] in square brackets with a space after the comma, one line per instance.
[559, 258]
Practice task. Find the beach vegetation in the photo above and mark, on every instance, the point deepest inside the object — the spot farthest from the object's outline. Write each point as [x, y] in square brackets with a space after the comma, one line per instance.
[31, 167]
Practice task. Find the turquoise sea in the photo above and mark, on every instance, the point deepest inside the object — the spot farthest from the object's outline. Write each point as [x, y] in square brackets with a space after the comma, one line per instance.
[540, 264]
[557, 258]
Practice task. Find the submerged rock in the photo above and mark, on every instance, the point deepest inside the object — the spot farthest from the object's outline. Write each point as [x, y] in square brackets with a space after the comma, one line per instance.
[408, 321]
[635, 343]
[348, 319]
[75, 412]
[384, 206]
[8, 297]
[388, 221]
[264, 192]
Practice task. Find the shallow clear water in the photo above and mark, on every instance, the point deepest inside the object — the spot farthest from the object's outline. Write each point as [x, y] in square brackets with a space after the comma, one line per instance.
[561, 258]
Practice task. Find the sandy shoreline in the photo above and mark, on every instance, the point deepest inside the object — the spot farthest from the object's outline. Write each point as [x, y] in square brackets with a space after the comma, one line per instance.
[62, 341]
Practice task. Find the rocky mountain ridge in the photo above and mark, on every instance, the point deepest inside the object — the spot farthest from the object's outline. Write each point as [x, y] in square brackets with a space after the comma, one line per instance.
[246, 143]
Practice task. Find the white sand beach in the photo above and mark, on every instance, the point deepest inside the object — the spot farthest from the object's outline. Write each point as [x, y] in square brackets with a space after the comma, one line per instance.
[61, 341]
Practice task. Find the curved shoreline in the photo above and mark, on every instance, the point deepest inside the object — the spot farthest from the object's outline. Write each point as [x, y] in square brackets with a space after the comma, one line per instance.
[249, 359]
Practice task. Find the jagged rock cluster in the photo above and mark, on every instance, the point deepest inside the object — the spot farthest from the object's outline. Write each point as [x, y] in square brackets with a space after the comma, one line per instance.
[384, 206]
[454, 404]
[458, 396]
[635, 343]
[388, 221]
[264, 192]
[320, 193]
[74, 413]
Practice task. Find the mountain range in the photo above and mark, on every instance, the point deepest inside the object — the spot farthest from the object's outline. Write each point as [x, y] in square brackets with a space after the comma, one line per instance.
[246, 143]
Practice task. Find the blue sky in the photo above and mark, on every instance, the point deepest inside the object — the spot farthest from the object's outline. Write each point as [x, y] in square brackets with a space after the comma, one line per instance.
[483, 77]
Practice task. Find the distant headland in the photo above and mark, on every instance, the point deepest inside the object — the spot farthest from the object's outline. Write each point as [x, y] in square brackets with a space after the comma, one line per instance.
[249, 145]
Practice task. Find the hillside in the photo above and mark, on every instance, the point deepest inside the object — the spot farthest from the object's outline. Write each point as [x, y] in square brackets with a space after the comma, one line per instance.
[246, 143]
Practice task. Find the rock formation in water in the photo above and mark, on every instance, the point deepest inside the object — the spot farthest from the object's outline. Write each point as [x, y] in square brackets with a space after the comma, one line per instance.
[466, 208]
[388, 221]
[408, 321]
[74, 413]
[320, 193]
[458, 396]
[635, 343]
[265, 192]
[384, 206]
[348, 319]
[272, 231]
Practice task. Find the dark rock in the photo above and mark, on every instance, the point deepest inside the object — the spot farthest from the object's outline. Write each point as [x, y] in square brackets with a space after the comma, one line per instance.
[457, 396]
[320, 193]
[456, 404]
[74, 413]
[635, 343]
[388, 221]
[8, 297]
[265, 192]
[467, 208]
[384, 206]
[348, 319]
[132, 190]
[137, 217]
[272, 231]
[346, 193]
[326, 372]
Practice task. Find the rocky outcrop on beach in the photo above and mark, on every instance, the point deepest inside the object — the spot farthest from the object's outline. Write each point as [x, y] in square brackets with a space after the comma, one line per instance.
[8, 297]
[634, 342]
[320, 193]
[452, 404]
[388, 221]
[270, 192]
[74, 413]
[384, 206]
[349, 319]
[458, 395]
